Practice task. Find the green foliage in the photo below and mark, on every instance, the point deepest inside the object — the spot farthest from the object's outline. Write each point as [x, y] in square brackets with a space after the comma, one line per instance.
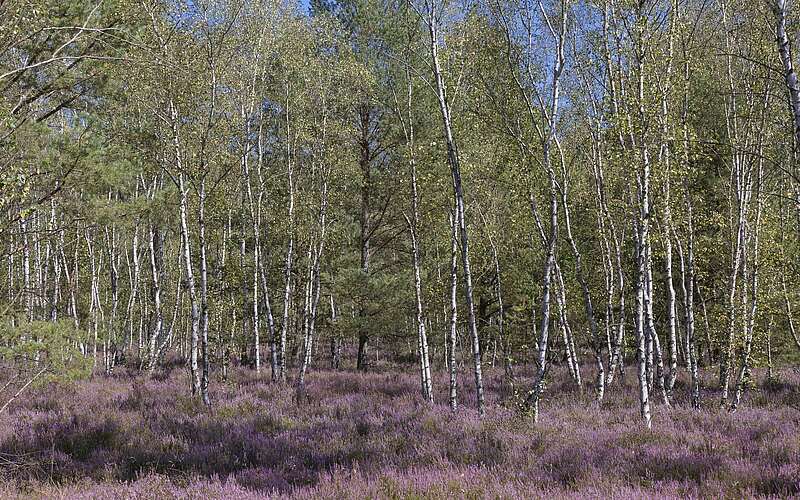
[45, 345]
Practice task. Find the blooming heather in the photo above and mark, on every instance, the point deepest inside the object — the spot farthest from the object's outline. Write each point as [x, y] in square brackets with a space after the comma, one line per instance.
[372, 435]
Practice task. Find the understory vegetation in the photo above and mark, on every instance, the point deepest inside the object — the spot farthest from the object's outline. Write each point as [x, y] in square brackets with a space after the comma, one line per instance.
[372, 435]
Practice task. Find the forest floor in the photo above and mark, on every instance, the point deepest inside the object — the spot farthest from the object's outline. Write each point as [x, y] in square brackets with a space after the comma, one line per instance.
[372, 436]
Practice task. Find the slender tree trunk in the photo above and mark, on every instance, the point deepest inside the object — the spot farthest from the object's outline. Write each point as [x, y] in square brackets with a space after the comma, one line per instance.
[566, 329]
[58, 265]
[422, 337]
[335, 340]
[287, 275]
[455, 170]
[194, 367]
[365, 162]
[789, 74]
[134, 275]
[750, 315]
[27, 286]
[687, 290]
[504, 344]
[114, 256]
[544, 328]
[314, 295]
[256, 228]
[203, 295]
[727, 353]
[617, 359]
[739, 194]
[413, 225]
[770, 323]
[597, 344]
[452, 338]
[94, 308]
[641, 348]
[671, 328]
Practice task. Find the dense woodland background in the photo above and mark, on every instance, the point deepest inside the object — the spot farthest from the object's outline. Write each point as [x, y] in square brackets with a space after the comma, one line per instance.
[594, 185]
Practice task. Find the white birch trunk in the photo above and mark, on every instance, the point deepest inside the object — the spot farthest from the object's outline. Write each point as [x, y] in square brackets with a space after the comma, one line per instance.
[453, 161]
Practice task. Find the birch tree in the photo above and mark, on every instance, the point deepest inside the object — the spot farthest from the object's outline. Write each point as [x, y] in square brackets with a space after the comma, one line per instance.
[432, 17]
